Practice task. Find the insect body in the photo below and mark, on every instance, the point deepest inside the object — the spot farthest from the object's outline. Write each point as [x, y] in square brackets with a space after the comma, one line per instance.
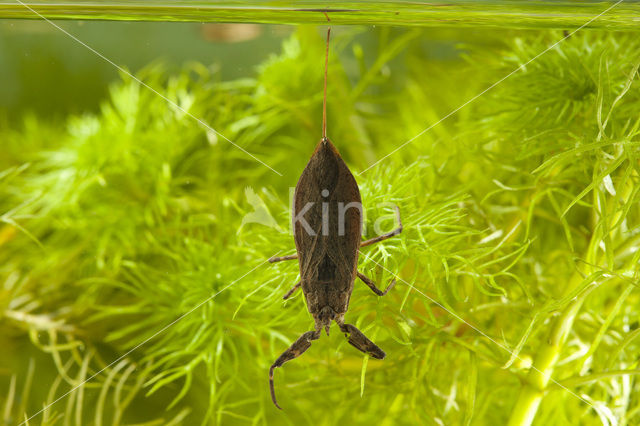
[327, 245]
[327, 231]
[327, 227]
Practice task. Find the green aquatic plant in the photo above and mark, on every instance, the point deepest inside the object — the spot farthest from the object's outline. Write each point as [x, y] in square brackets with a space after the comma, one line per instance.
[136, 235]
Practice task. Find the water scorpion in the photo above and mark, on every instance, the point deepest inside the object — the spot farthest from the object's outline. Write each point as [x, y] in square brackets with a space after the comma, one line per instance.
[327, 227]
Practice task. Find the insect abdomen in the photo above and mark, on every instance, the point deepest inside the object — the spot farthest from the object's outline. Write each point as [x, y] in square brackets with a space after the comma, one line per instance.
[327, 217]
[326, 269]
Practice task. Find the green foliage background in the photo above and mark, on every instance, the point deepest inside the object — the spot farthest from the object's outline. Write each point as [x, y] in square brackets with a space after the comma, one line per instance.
[517, 269]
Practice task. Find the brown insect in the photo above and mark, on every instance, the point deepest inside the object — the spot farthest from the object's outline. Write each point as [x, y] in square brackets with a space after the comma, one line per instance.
[327, 227]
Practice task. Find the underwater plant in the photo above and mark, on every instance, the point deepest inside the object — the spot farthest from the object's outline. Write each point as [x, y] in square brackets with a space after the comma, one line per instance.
[134, 241]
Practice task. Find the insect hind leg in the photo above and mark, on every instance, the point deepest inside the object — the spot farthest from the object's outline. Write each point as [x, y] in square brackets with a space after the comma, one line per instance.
[295, 350]
[280, 259]
[388, 234]
[358, 340]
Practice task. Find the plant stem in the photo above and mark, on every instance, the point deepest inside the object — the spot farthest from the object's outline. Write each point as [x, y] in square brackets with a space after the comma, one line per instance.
[542, 369]
[540, 374]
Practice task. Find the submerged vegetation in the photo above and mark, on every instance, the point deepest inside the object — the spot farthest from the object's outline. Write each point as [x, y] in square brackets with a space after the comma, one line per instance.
[518, 270]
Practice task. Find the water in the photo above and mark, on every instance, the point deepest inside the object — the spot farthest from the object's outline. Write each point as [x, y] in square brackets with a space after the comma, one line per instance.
[145, 175]
[516, 14]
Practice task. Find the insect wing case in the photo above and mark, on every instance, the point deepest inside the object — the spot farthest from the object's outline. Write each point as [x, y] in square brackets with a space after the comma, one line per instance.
[327, 244]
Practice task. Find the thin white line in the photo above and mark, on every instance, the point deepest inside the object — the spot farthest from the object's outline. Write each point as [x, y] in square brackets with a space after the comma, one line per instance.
[490, 87]
[477, 329]
[143, 342]
[121, 69]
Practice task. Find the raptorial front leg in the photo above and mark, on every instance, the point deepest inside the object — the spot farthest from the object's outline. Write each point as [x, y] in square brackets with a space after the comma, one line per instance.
[295, 350]
[280, 259]
[290, 292]
[373, 287]
[358, 340]
[388, 234]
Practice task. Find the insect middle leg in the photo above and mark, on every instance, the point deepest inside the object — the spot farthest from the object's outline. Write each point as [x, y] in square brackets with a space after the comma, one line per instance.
[384, 236]
[290, 292]
[295, 350]
[371, 285]
[358, 340]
